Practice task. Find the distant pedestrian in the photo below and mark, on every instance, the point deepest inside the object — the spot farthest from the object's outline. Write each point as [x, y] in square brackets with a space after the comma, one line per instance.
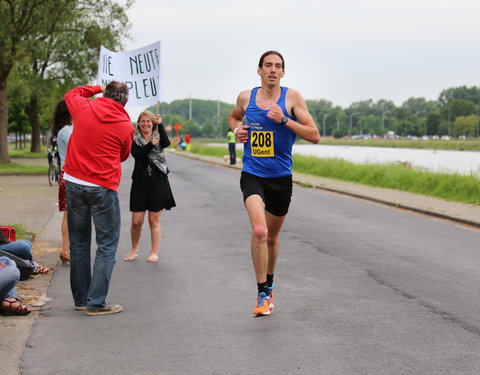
[62, 130]
[188, 140]
[150, 189]
[101, 141]
[231, 147]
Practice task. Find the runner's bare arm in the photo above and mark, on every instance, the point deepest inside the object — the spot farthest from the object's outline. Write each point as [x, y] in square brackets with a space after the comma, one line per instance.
[235, 120]
[305, 126]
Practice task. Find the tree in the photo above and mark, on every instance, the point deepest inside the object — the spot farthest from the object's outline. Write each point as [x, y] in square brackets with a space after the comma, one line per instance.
[384, 106]
[192, 127]
[433, 123]
[52, 39]
[208, 129]
[405, 122]
[17, 120]
[415, 105]
[458, 107]
[465, 125]
[463, 92]
[370, 124]
[318, 109]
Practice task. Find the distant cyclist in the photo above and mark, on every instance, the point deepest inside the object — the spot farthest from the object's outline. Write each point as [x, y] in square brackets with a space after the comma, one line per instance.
[274, 116]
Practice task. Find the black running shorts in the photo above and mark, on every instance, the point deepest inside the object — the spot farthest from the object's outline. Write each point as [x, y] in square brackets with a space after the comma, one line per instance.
[275, 192]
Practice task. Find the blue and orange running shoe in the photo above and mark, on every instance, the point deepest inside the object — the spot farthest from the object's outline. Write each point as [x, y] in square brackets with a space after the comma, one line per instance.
[271, 305]
[262, 307]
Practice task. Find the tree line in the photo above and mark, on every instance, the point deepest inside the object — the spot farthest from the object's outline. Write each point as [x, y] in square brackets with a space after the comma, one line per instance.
[454, 114]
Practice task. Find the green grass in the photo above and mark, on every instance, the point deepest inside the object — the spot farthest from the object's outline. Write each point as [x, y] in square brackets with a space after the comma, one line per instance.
[25, 152]
[22, 233]
[452, 187]
[220, 152]
[435, 144]
[20, 169]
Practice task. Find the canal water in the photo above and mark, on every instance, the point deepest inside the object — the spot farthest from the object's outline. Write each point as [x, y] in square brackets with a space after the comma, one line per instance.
[445, 161]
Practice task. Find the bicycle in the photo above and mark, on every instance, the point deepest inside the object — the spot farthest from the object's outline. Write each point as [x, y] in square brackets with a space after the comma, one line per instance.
[53, 166]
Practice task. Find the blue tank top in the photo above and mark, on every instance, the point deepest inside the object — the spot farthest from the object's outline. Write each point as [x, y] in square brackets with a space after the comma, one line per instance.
[268, 151]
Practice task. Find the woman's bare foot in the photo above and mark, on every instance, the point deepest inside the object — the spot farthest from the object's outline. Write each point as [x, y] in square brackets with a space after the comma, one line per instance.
[132, 255]
[153, 258]
[65, 257]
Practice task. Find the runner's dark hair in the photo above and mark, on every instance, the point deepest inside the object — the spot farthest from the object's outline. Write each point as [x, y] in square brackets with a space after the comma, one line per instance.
[268, 53]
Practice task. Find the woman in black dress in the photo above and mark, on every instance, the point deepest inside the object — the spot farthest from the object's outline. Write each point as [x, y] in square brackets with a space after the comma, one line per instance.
[150, 189]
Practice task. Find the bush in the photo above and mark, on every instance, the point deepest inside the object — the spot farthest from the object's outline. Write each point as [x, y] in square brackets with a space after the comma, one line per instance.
[338, 134]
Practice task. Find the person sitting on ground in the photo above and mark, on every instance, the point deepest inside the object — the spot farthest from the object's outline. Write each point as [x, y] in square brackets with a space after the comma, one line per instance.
[21, 249]
[9, 276]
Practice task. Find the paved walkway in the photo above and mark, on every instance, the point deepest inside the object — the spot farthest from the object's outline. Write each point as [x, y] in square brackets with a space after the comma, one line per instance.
[30, 201]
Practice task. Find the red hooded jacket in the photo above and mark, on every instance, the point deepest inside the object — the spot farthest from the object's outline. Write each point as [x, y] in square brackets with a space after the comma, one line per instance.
[101, 139]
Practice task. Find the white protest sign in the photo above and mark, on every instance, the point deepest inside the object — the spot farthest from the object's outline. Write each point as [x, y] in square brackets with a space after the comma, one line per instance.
[139, 69]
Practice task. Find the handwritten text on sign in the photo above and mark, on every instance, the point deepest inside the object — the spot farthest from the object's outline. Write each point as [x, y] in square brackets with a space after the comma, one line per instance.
[139, 69]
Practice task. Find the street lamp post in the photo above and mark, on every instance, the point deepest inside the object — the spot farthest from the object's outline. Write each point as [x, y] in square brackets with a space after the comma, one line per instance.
[477, 124]
[416, 114]
[324, 118]
[383, 120]
[449, 123]
[350, 123]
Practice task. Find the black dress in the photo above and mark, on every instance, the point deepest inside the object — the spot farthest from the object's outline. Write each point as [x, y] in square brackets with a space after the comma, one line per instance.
[150, 189]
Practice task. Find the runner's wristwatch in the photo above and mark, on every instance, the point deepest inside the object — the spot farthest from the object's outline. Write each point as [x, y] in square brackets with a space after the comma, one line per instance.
[284, 120]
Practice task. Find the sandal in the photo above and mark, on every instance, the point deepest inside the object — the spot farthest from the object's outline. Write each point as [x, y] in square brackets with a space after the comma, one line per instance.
[40, 270]
[19, 309]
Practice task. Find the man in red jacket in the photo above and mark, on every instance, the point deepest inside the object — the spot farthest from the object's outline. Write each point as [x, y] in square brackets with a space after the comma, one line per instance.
[100, 141]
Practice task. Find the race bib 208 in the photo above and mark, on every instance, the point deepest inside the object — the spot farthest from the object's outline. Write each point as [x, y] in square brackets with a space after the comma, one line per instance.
[261, 143]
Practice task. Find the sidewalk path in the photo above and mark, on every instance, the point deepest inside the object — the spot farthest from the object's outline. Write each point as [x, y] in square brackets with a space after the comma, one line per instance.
[31, 202]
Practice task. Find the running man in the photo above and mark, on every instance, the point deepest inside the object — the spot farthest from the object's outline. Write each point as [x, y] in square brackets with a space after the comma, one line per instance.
[274, 116]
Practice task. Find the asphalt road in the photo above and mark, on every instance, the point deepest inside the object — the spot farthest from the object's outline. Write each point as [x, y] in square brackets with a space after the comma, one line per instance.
[361, 289]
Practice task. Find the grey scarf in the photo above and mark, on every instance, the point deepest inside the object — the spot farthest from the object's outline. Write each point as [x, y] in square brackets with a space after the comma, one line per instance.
[156, 156]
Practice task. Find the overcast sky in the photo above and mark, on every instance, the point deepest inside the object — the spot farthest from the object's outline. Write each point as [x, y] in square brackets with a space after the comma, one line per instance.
[339, 50]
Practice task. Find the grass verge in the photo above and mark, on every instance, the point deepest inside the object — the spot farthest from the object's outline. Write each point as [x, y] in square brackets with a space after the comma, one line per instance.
[432, 144]
[22, 233]
[452, 187]
[20, 169]
[25, 152]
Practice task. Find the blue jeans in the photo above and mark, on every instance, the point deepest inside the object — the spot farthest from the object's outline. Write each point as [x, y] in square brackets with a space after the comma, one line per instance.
[22, 249]
[8, 279]
[87, 203]
[232, 151]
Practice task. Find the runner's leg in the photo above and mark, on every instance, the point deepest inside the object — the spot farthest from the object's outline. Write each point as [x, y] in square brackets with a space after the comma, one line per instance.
[256, 212]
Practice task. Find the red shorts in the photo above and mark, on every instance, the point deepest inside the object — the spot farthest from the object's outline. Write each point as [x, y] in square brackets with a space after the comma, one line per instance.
[62, 197]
